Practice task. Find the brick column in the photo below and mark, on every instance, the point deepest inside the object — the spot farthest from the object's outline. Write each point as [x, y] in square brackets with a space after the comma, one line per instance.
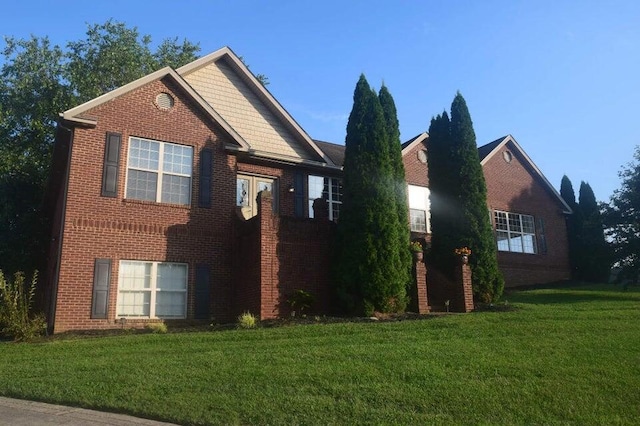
[463, 291]
[268, 256]
[420, 285]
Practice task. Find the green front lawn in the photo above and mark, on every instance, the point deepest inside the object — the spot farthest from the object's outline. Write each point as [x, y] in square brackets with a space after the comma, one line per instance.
[568, 355]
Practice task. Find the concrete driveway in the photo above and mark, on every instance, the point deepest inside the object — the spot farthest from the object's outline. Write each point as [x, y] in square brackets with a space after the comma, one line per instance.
[17, 412]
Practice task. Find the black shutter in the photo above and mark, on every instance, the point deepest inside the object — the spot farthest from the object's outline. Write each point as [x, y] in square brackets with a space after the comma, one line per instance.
[298, 194]
[542, 240]
[202, 292]
[101, 280]
[206, 163]
[111, 165]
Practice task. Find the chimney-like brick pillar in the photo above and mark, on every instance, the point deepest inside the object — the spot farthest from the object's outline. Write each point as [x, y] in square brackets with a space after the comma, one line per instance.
[463, 292]
[268, 256]
[420, 283]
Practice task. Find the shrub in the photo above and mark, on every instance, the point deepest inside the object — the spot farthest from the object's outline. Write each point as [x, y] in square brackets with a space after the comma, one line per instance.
[16, 301]
[300, 301]
[157, 327]
[247, 320]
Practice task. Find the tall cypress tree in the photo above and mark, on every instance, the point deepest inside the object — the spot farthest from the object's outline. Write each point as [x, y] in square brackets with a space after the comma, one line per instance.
[594, 261]
[443, 201]
[459, 201]
[399, 182]
[573, 223]
[366, 271]
[474, 227]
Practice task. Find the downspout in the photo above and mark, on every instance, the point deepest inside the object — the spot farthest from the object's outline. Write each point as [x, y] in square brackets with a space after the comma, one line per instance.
[56, 274]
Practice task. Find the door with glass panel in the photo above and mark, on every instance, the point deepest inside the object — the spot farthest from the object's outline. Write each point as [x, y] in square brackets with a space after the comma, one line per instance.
[247, 189]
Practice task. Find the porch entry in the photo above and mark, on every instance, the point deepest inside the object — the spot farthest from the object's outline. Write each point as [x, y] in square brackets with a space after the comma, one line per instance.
[247, 189]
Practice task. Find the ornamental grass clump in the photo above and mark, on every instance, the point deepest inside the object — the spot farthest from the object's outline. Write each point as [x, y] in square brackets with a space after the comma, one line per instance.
[247, 320]
[17, 320]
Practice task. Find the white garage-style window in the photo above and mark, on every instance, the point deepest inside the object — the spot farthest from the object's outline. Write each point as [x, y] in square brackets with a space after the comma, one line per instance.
[515, 232]
[419, 209]
[152, 289]
[159, 171]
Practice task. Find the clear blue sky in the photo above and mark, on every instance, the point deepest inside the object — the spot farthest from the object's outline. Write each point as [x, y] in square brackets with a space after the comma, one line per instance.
[563, 77]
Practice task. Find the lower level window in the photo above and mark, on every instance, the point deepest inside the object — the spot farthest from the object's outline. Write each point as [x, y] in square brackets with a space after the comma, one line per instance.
[515, 232]
[152, 289]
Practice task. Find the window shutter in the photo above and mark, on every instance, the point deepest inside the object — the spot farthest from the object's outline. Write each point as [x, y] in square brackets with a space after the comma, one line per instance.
[298, 195]
[101, 280]
[206, 172]
[202, 292]
[542, 240]
[111, 165]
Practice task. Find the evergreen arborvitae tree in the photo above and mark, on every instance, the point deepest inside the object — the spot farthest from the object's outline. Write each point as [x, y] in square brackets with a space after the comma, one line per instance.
[573, 224]
[594, 264]
[475, 228]
[399, 182]
[459, 201]
[442, 197]
[367, 254]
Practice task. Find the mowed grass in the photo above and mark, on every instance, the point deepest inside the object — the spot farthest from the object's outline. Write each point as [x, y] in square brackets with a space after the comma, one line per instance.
[564, 356]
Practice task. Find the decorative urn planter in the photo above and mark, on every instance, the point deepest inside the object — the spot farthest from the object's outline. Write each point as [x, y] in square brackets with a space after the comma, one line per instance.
[465, 259]
[418, 256]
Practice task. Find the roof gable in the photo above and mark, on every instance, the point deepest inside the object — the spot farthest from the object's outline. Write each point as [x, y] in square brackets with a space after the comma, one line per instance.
[486, 152]
[75, 114]
[226, 83]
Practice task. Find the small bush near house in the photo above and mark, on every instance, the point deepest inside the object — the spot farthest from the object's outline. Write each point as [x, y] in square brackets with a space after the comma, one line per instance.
[157, 327]
[300, 301]
[247, 320]
[17, 321]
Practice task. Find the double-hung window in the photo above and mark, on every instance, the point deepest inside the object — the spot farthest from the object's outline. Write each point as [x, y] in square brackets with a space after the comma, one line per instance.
[328, 189]
[515, 232]
[159, 171]
[419, 208]
[152, 290]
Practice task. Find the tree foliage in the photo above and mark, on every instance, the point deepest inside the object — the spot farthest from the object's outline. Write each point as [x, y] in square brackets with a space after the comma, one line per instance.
[38, 81]
[622, 220]
[367, 253]
[594, 260]
[589, 253]
[398, 181]
[573, 224]
[459, 201]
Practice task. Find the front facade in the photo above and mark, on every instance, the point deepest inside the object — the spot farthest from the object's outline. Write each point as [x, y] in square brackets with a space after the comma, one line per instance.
[155, 206]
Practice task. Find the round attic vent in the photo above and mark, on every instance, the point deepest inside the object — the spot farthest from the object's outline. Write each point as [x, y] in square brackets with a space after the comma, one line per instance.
[507, 156]
[164, 101]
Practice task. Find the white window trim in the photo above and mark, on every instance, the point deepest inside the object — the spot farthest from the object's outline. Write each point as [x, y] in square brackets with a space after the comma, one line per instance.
[426, 209]
[514, 234]
[331, 203]
[160, 172]
[253, 187]
[152, 289]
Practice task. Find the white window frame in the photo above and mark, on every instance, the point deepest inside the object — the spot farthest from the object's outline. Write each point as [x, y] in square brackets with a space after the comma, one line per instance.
[159, 172]
[153, 289]
[253, 182]
[514, 235]
[333, 205]
[418, 200]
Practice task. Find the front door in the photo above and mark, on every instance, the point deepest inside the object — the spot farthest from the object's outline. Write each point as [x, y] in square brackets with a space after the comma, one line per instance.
[247, 189]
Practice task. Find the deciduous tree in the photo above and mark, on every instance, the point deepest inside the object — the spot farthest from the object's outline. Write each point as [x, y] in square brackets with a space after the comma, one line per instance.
[40, 80]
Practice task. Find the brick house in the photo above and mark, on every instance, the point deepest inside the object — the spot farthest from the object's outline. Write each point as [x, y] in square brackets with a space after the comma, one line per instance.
[155, 212]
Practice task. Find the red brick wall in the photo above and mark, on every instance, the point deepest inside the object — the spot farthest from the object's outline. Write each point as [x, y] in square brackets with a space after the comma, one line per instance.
[514, 188]
[416, 172]
[116, 228]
